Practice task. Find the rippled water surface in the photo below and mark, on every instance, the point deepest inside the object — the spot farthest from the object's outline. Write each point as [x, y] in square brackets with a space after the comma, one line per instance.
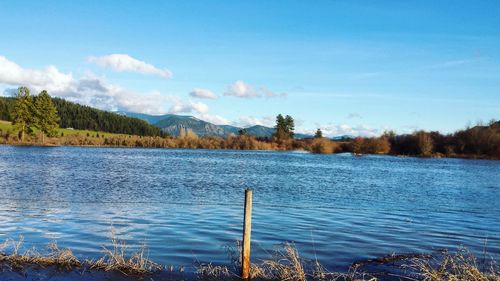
[186, 205]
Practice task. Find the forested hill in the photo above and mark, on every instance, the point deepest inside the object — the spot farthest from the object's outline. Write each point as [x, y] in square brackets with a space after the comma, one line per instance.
[83, 117]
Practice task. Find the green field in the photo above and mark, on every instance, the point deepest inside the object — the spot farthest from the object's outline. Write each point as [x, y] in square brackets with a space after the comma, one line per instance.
[7, 126]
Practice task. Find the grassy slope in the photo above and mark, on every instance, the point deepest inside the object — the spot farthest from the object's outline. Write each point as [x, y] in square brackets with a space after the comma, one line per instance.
[6, 126]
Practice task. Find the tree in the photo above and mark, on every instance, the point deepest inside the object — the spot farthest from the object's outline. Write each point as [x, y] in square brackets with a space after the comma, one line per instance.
[318, 134]
[47, 118]
[290, 125]
[280, 127]
[284, 127]
[24, 115]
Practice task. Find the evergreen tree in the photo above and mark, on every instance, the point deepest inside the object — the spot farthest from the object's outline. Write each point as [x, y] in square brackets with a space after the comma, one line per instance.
[318, 134]
[290, 126]
[281, 130]
[284, 127]
[24, 118]
[47, 118]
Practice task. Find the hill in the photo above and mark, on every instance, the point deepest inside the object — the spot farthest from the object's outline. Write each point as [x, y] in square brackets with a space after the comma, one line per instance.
[172, 124]
[81, 117]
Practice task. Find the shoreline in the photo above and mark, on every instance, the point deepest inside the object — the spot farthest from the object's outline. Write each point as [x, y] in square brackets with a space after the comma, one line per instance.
[284, 263]
[436, 156]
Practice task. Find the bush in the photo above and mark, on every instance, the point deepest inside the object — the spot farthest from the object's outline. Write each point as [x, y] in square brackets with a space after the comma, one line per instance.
[323, 146]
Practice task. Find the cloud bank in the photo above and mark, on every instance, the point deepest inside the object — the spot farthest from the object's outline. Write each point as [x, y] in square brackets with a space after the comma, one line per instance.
[334, 130]
[94, 91]
[248, 121]
[126, 63]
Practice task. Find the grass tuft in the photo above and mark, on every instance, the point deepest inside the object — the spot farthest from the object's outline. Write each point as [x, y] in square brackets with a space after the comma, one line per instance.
[115, 259]
[61, 258]
[460, 266]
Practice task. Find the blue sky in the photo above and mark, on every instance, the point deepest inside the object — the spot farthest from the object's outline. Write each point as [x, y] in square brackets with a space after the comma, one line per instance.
[348, 67]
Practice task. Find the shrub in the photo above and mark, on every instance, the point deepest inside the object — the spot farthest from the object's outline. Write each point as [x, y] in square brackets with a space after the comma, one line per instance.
[323, 146]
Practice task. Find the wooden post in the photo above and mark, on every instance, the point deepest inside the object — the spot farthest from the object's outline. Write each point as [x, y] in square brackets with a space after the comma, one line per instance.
[247, 229]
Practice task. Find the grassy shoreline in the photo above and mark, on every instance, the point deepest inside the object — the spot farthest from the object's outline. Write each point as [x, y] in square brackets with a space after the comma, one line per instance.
[284, 263]
[86, 138]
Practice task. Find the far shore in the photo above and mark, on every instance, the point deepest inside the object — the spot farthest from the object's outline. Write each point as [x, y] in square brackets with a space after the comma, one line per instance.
[434, 156]
[479, 142]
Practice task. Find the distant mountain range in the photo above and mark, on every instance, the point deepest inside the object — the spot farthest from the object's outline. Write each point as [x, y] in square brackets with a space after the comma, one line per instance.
[172, 124]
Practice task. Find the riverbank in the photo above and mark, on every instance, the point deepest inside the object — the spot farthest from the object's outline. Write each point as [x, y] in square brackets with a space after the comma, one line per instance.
[154, 142]
[419, 144]
[284, 263]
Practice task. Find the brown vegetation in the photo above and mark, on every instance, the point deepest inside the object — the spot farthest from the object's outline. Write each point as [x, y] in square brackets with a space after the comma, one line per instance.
[113, 260]
[476, 142]
[324, 146]
[454, 267]
[284, 264]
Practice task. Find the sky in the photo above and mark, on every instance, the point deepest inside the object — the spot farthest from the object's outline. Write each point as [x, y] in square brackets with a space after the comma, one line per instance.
[347, 67]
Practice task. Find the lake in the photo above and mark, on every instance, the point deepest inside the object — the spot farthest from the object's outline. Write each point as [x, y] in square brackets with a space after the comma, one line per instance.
[187, 205]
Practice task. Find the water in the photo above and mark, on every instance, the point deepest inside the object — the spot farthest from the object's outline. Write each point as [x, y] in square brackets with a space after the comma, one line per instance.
[186, 205]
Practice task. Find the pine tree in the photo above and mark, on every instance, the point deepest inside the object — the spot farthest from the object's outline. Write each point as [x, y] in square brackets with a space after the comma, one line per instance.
[318, 134]
[284, 127]
[280, 127]
[47, 118]
[23, 118]
[290, 126]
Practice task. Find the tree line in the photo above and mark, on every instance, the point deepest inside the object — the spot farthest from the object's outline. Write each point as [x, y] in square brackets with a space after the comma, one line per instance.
[35, 110]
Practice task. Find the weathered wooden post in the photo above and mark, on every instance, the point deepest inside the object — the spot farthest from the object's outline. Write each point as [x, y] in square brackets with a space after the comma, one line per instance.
[247, 229]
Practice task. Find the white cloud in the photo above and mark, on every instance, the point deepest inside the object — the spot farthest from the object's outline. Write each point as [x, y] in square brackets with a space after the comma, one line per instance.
[199, 107]
[214, 119]
[187, 107]
[124, 62]
[89, 90]
[248, 121]
[334, 130]
[50, 77]
[202, 94]
[241, 89]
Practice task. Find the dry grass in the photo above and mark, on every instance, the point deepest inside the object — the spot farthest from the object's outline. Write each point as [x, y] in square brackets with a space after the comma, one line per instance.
[113, 260]
[61, 258]
[116, 259]
[461, 266]
[284, 264]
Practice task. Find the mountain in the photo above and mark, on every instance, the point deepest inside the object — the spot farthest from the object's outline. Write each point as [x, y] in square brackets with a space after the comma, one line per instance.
[173, 124]
[343, 138]
[151, 119]
[260, 131]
